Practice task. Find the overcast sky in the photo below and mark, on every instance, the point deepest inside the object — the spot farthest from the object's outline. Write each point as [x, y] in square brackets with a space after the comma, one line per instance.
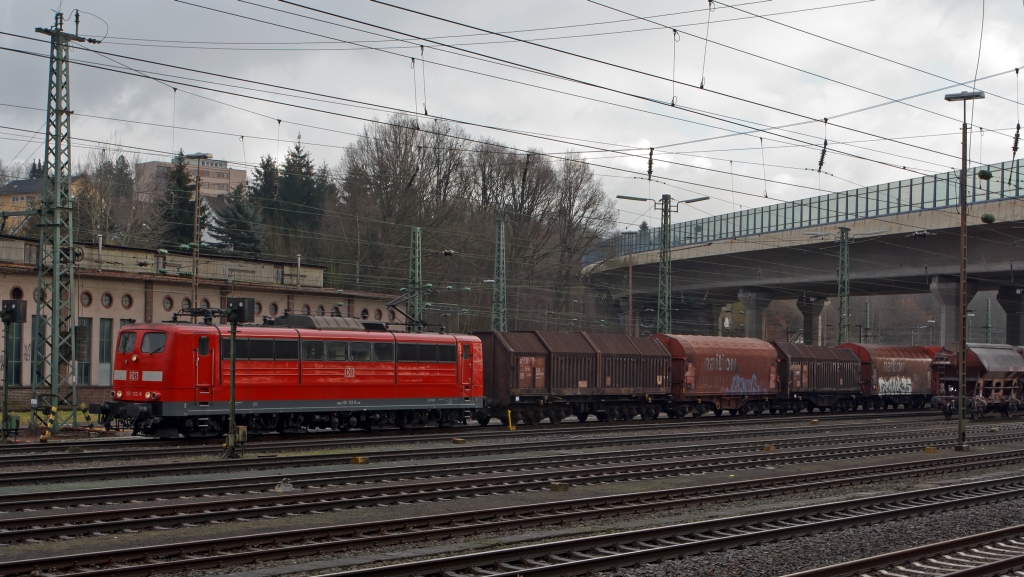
[602, 84]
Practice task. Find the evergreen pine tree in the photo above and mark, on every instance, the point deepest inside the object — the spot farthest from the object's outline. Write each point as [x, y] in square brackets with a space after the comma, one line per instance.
[302, 190]
[36, 172]
[238, 227]
[176, 210]
[265, 182]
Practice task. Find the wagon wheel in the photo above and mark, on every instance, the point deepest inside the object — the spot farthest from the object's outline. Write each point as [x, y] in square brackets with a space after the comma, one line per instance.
[977, 414]
[483, 421]
[947, 410]
[718, 412]
[582, 417]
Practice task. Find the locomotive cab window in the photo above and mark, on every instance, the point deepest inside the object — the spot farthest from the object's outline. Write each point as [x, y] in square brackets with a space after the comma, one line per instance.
[407, 352]
[203, 348]
[359, 352]
[336, 351]
[286, 350]
[153, 343]
[428, 353]
[241, 349]
[261, 349]
[312, 350]
[384, 351]
[447, 353]
[126, 343]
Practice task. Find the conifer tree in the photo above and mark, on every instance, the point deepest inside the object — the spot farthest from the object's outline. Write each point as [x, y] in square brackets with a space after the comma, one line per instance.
[238, 227]
[176, 210]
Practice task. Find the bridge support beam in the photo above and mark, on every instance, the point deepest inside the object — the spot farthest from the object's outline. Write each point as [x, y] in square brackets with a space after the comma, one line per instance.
[754, 302]
[1012, 301]
[946, 288]
[811, 308]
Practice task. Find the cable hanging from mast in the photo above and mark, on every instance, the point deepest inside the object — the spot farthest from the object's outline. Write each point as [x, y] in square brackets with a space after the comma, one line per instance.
[707, 31]
[1016, 136]
[423, 63]
[675, 40]
[824, 147]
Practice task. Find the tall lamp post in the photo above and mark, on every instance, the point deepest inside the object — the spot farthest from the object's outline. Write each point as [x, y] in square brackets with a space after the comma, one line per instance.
[196, 234]
[667, 207]
[961, 425]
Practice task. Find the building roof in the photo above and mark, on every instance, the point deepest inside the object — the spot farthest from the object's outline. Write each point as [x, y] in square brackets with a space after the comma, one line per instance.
[30, 186]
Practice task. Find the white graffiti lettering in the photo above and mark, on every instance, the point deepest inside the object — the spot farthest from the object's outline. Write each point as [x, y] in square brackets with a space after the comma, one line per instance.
[721, 363]
[895, 386]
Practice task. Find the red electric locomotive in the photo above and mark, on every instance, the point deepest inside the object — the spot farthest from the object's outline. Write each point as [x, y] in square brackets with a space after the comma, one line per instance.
[301, 372]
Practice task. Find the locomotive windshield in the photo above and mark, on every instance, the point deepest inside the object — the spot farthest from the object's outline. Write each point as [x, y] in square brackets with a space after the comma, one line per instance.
[126, 343]
[153, 342]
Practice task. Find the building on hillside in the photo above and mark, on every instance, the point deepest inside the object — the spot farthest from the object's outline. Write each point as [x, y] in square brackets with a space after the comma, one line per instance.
[116, 286]
[19, 195]
[217, 178]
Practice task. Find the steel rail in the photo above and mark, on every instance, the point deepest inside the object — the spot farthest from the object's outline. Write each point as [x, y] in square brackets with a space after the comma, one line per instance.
[142, 493]
[989, 553]
[237, 550]
[614, 551]
[161, 516]
[23, 477]
[319, 438]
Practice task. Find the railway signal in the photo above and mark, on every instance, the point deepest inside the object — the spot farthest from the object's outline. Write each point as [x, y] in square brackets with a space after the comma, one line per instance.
[10, 312]
[240, 310]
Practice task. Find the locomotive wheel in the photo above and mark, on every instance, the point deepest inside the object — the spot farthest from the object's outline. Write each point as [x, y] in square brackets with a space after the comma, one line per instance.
[483, 421]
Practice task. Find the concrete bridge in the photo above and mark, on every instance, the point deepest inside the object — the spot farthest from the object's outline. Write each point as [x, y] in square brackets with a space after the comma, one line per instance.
[789, 251]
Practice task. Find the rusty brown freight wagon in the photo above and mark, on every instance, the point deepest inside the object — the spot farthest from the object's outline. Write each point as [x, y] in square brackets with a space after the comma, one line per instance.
[535, 375]
[721, 373]
[814, 377]
[894, 375]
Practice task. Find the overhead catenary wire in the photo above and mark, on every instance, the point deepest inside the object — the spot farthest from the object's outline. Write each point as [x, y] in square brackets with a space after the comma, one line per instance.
[707, 35]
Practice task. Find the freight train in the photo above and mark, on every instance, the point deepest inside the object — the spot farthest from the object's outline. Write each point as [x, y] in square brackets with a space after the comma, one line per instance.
[301, 372]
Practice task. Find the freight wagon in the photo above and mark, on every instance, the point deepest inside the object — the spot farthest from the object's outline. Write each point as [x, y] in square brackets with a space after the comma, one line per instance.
[894, 375]
[720, 373]
[816, 377]
[993, 381]
[533, 375]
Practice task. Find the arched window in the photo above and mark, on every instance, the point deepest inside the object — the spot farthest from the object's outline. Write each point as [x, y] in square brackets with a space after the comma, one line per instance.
[86, 298]
[305, 309]
[127, 301]
[17, 294]
[168, 303]
[365, 314]
[273, 308]
[205, 304]
[186, 303]
[106, 300]
[377, 314]
[259, 307]
[320, 311]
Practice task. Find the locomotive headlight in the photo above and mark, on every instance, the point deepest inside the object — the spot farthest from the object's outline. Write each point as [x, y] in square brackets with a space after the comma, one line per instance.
[148, 395]
[120, 394]
[135, 358]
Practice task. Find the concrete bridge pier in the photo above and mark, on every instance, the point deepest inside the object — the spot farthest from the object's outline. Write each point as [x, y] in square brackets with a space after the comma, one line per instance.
[699, 315]
[754, 302]
[946, 289]
[811, 308]
[1012, 301]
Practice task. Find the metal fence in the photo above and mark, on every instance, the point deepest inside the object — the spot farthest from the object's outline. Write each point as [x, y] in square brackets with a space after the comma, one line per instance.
[901, 197]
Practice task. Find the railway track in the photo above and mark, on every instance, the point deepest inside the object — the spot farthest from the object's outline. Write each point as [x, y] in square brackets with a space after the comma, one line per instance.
[237, 550]
[264, 462]
[142, 448]
[349, 476]
[342, 495]
[616, 550]
[999, 552]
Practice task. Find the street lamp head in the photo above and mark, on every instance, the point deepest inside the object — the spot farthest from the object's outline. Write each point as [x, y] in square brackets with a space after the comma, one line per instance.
[636, 198]
[698, 199]
[199, 156]
[965, 95]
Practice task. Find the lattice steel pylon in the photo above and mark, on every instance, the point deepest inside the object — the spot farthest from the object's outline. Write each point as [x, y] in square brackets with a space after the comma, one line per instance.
[665, 268]
[499, 307]
[843, 274]
[54, 375]
[415, 306]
